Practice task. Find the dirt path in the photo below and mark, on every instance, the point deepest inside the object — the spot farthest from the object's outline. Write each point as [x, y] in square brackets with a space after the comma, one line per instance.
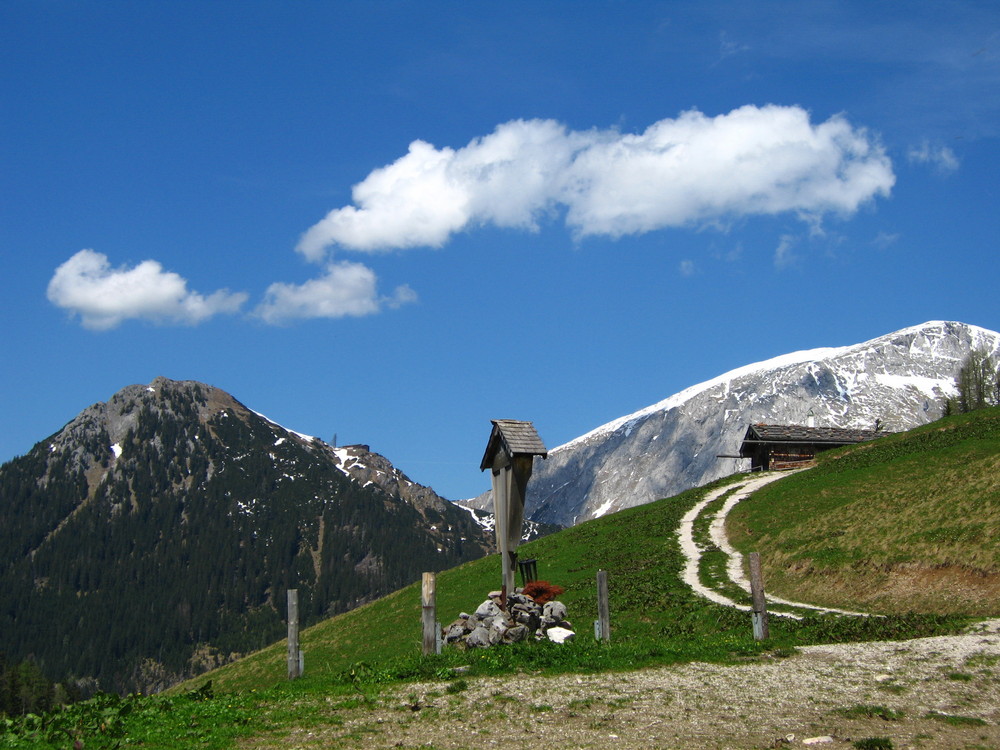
[945, 693]
[734, 567]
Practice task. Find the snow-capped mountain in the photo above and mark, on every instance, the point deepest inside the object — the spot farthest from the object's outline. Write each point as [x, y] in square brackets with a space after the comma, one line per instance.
[902, 379]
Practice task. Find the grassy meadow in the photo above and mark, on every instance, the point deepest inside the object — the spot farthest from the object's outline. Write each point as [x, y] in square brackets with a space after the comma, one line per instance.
[924, 502]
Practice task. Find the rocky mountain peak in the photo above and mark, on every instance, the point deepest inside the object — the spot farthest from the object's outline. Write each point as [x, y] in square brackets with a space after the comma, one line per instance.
[167, 523]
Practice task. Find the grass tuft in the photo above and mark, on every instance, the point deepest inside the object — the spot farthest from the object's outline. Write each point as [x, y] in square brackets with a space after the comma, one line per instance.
[874, 743]
[956, 720]
[865, 711]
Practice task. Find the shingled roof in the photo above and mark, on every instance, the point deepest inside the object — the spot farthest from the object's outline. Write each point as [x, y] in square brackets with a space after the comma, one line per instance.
[798, 433]
[792, 433]
[515, 438]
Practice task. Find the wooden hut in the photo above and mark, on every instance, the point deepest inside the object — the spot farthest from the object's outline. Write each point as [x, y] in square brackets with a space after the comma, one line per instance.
[772, 447]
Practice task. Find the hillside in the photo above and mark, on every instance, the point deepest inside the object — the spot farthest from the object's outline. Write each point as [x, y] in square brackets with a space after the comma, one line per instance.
[640, 549]
[699, 657]
[906, 523]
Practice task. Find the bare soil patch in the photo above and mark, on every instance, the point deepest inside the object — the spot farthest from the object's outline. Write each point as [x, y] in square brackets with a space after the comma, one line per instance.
[945, 692]
[946, 589]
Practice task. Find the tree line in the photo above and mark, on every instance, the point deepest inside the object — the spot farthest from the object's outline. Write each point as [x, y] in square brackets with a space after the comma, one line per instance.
[24, 689]
[978, 383]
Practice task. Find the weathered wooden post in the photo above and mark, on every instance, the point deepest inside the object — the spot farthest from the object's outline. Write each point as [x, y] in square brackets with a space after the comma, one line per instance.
[510, 453]
[428, 607]
[760, 627]
[294, 666]
[603, 624]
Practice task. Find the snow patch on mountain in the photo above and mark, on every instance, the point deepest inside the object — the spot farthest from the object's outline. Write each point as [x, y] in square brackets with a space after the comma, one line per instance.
[300, 435]
[901, 380]
[678, 399]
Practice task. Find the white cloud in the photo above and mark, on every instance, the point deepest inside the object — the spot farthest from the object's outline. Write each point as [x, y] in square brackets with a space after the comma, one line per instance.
[692, 170]
[686, 268]
[884, 240]
[783, 256]
[345, 289]
[941, 157]
[506, 178]
[104, 297]
[728, 47]
[403, 295]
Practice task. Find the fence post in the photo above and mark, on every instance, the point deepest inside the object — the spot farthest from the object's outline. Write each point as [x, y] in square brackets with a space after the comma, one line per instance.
[603, 608]
[294, 668]
[760, 627]
[428, 605]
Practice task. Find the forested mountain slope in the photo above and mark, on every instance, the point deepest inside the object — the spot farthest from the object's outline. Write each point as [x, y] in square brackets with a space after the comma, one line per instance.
[155, 536]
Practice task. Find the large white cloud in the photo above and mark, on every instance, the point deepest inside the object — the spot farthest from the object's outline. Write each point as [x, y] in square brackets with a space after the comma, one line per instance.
[104, 297]
[506, 178]
[345, 289]
[691, 170]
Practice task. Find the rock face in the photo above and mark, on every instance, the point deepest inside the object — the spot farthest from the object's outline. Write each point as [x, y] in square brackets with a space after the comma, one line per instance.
[901, 379]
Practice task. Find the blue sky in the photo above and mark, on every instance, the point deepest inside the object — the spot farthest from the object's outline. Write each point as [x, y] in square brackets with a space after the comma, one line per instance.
[394, 221]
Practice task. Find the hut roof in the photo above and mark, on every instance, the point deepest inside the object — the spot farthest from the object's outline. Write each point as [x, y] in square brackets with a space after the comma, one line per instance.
[515, 438]
[782, 433]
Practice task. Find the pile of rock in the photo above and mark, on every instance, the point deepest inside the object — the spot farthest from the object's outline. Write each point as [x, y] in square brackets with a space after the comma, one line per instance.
[523, 618]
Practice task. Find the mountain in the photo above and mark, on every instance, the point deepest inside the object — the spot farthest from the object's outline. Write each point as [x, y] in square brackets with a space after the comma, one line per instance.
[902, 379]
[358, 462]
[155, 535]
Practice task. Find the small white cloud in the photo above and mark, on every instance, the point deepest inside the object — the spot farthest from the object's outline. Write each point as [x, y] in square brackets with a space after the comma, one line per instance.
[686, 267]
[344, 290]
[403, 295]
[727, 253]
[104, 297]
[940, 157]
[884, 240]
[692, 170]
[783, 256]
[728, 47]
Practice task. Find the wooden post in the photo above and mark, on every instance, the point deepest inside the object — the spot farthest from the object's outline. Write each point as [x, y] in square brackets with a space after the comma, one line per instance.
[293, 634]
[428, 605]
[507, 567]
[603, 609]
[760, 627]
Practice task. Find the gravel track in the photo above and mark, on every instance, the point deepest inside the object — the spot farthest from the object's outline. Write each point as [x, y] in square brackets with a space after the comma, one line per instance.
[775, 703]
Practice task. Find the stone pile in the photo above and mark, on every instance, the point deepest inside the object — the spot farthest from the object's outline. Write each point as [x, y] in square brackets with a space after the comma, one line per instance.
[524, 618]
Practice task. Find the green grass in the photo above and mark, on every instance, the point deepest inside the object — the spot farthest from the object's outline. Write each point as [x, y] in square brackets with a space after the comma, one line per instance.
[955, 720]
[910, 521]
[656, 619]
[866, 711]
[960, 676]
[873, 743]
